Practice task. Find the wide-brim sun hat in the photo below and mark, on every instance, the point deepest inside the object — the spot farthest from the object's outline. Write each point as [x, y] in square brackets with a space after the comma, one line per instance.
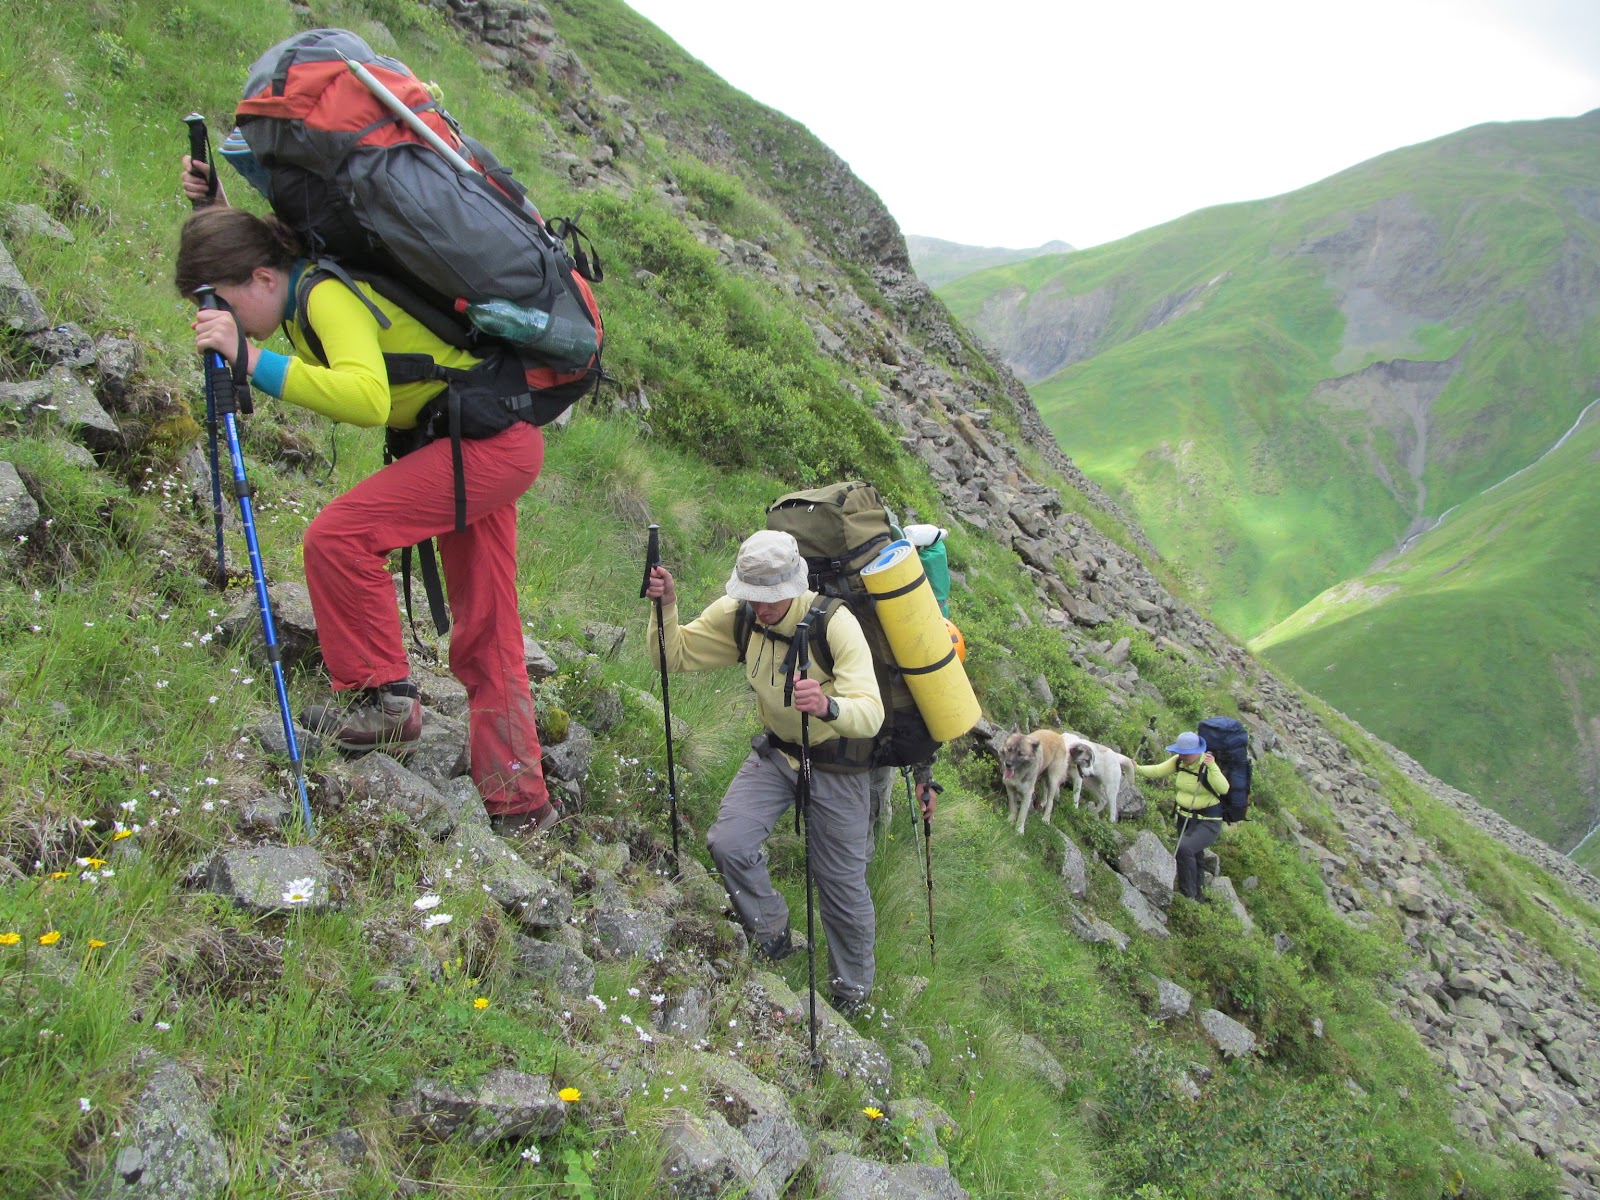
[768, 569]
[1188, 743]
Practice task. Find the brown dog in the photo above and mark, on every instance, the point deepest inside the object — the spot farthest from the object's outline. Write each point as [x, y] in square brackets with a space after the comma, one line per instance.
[1028, 758]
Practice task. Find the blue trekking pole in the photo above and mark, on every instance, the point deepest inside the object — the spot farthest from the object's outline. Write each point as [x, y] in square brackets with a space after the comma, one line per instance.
[200, 152]
[226, 396]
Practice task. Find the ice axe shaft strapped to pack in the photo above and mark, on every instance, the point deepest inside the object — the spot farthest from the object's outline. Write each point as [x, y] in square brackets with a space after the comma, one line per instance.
[652, 560]
[227, 395]
[802, 664]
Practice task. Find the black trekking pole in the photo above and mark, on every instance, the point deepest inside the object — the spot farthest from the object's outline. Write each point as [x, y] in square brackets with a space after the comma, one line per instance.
[200, 151]
[802, 664]
[926, 853]
[652, 560]
[228, 394]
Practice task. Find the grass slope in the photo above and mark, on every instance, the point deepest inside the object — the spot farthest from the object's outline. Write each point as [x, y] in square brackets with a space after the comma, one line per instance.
[1477, 649]
[125, 754]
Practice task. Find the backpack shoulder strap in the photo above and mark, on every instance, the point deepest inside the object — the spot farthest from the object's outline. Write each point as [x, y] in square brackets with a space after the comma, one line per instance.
[318, 272]
[743, 622]
[744, 625]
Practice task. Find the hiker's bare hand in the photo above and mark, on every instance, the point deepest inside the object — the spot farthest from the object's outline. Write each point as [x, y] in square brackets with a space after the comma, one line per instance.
[216, 330]
[661, 586]
[194, 179]
[1208, 758]
[808, 697]
[929, 798]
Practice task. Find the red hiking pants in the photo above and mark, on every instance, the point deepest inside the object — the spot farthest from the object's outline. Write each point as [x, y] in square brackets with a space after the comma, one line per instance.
[347, 550]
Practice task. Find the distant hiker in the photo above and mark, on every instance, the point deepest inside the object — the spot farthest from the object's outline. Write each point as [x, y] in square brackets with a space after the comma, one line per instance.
[1197, 809]
[843, 704]
[338, 370]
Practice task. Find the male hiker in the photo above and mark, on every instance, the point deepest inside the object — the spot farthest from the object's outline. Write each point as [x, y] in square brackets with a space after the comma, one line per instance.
[843, 704]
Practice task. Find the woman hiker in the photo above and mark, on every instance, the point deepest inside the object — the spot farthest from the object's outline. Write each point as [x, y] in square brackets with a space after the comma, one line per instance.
[337, 369]
[1199, 811]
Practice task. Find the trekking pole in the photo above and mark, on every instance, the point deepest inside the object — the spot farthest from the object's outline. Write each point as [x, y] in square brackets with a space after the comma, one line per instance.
[802, 664]
[924, 853]
[200, 151]
[652, 560]
[227, 395]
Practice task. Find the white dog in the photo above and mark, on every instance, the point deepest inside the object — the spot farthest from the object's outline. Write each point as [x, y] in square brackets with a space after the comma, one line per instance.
[1044, 754]
[1103, 774]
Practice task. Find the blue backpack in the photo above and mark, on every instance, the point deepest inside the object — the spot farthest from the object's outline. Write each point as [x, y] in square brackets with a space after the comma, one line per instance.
[1229, 743]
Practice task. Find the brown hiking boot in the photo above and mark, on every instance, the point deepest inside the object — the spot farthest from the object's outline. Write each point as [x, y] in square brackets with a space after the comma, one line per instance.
[387, 715]
[522, 824]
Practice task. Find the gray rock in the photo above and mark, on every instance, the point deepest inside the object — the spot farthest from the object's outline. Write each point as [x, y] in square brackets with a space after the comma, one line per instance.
[440, 754]
[347, 1145]
[441, 693]
[1222, 888]
[845, 1177]
[117, 360]
[1037, 1058]
[378, 781]
[25, 220]
[1146, 917]
[462, 799]
[605, 640]
[266, 813]
[704, 1158]
[292, 620]
[65, 345]
[506, 1106]
[625, 932]
[760, 1113]
[1089, 928]
[1226, 1034]
[19, 513]
[651, 704]
[1172, 1001]
[20, 310]
[68, 402]
[168, 1147]
[926, 1128]
[570, 760]
[847, 1053]
[540, 665]
[571, 971]
[1074, 870]
[688, 1016]
[257, 878]
[529, 898]
[1149, 866]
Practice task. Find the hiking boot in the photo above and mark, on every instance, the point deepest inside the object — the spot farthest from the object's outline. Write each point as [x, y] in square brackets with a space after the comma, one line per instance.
[778, 948]
[387, 715]
[848, 1009]
[523, 824]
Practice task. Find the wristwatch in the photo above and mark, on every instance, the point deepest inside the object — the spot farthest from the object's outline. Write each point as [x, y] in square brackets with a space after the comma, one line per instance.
[833, 710]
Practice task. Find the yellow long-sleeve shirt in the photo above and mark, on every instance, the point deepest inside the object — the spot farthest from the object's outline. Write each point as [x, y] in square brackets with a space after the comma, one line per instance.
[706, 643]
[353, 385]
[1192, 797]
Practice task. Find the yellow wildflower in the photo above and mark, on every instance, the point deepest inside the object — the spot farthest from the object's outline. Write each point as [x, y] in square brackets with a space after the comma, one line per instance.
[96, 944]
[570, 1094]
[120, 834]
[94, 864]
[875, 1114]
[51, 938]
[481, 1002]
[10, 939]
[60, 874]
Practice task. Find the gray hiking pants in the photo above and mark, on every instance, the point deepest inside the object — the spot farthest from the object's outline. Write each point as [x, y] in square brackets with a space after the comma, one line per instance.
[881, 789]
[763, 790]
[1194, 839]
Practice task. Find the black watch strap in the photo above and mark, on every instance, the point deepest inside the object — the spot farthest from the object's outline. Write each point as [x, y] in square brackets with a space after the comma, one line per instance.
[833, 710]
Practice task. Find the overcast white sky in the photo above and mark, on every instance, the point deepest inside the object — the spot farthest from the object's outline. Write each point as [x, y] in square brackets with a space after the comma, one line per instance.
[1012, 122]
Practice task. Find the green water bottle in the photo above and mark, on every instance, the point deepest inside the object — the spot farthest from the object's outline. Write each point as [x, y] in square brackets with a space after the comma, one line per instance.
[564, 342]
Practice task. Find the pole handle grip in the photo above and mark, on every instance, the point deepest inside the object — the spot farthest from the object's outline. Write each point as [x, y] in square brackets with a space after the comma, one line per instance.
[200, 152]
[652, 559]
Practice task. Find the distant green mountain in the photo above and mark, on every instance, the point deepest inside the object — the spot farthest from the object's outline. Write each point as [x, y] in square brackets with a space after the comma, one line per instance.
[938, 261]
[1284, 391]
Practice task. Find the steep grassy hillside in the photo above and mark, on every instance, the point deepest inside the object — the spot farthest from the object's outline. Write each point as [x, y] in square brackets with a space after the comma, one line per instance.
[353, 1045]
[938, 261]
[1283, 391]
[1475, 649]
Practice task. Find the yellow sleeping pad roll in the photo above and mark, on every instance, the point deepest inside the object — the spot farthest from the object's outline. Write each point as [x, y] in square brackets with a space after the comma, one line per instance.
[911, 620]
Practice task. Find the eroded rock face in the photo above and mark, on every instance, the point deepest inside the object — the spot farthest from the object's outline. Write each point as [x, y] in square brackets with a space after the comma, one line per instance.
[272, 879]
[505, 1106]
[845, 1177]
